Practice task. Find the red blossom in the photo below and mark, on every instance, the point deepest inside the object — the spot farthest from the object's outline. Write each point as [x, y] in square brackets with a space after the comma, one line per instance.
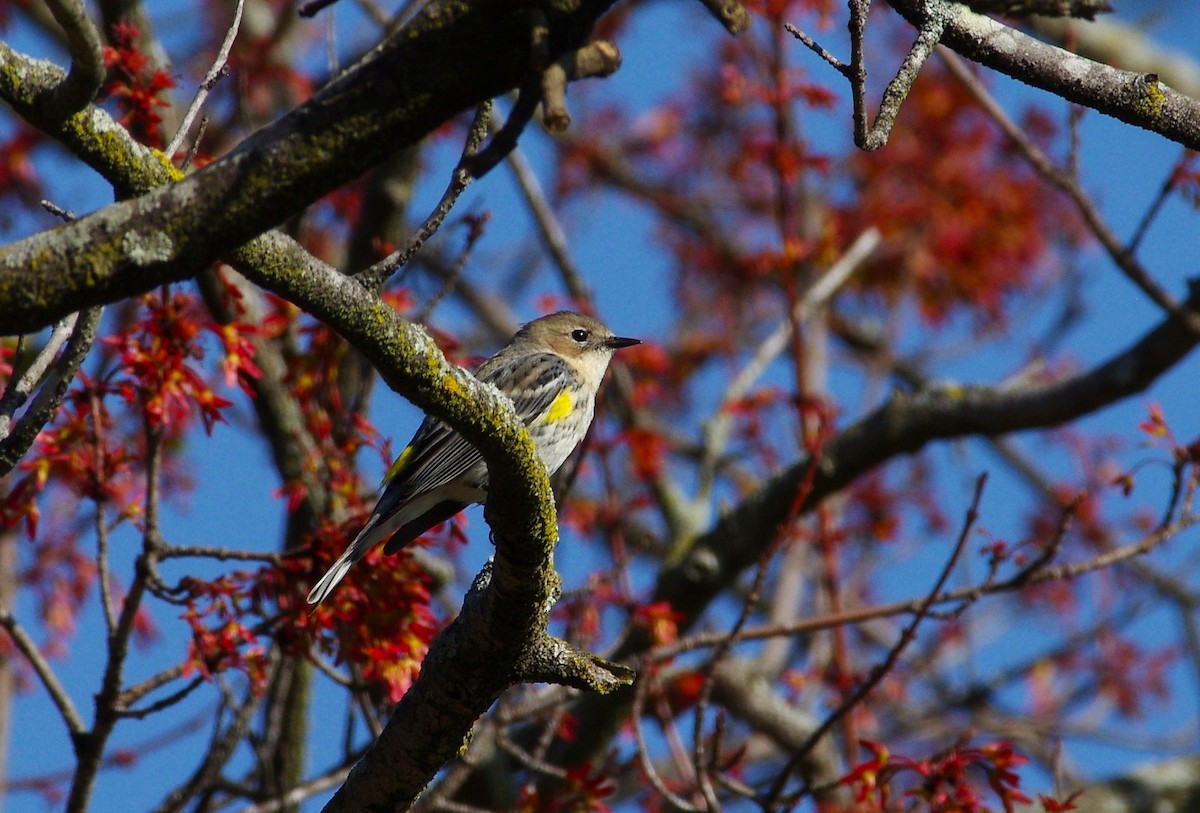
[647, 451]
[946, 782]
[222, 640]
[581, 791]
[379, 617]
[947, 246]
[1052, 805]
[136, 84]
[660, 620]
[159, 357]
[18, 177]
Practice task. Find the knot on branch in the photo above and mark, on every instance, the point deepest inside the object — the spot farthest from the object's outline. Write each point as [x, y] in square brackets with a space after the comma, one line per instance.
[600, 59]
[553, 660]
[547, 86]
[729, 13]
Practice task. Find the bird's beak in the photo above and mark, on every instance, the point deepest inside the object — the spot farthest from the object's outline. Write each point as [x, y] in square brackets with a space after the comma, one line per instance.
[617, 342]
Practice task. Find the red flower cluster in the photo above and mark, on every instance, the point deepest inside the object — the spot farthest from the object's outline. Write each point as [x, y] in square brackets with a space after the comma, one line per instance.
[581, 791]
[379, 617]
[159, 357]
[221, 639]
[136, 85]
[946, 782]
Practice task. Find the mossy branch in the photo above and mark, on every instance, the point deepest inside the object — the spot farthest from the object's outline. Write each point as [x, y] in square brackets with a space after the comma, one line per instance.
[449, 58]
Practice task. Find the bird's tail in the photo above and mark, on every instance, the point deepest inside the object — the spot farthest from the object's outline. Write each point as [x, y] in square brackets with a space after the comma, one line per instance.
[397, 526]
[337, 571]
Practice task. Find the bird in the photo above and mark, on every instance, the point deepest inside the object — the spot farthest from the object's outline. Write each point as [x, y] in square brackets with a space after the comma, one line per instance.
[551, 369]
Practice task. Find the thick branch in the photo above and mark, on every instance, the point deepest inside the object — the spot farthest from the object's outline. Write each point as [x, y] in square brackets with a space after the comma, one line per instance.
[79, 87]
[904, 425]
[1137, 99]
[504, 618]
[449, 58]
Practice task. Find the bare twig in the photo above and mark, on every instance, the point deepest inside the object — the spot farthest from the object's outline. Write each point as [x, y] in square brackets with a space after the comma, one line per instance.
[195, 148]
[1024, 578]
[1169, 186]
[929, 32]
[20, 437]
[330, 779]
[838, 65]
[65, 215]
[549, 227]
[475, 224]
[643, 749]
[139, 690]
[220, 554]
[375, 276]
[220, 749]
[503, 142]
[716, 429]
[41, 667]
[218, 70]
[1120, 254]
[16, 393]
[164, 703]
[893, 656]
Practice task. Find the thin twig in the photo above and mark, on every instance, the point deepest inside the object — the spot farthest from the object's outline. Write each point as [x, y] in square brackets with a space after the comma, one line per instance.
[549, 228]
[812, 45]
[872, 137]
[330, 779]
[16, 393]
[220, 554]
[143, 688]
[643, 749]
[1169, 185]
[164, 703]
[716, 429]
[884, 668]
[20, 437]
[195, 147]
[103, 574]
[65, 215]
[1121, 255]
[505, 139]
[216, 71]
[1024, 578]
[375, 276]
[41, 667]
[475, 224]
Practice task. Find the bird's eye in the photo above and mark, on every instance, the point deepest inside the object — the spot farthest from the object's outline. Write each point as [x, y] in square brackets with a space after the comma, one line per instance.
[579, 334]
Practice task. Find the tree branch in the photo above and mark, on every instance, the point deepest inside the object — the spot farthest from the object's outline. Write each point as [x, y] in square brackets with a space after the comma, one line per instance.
[80, 85]
[450, 57]
[1137, 99]
[904, 425]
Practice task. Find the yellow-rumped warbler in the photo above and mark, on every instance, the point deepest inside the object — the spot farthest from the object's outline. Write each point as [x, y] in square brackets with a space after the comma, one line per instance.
[551, 370]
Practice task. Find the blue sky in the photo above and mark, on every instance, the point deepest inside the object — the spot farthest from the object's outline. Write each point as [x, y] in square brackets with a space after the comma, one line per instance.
[616, 247]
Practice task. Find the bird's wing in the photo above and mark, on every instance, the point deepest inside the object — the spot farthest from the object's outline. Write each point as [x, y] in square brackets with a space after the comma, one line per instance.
[438, 455]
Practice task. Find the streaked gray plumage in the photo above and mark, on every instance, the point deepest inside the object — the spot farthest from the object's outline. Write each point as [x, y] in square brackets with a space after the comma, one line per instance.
[551, 369]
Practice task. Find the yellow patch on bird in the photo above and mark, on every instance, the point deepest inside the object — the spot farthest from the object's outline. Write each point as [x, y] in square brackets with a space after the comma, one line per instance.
[560, 407]
[399, 465]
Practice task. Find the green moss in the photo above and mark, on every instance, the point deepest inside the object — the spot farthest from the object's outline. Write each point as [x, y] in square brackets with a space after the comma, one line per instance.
[1150, 98]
